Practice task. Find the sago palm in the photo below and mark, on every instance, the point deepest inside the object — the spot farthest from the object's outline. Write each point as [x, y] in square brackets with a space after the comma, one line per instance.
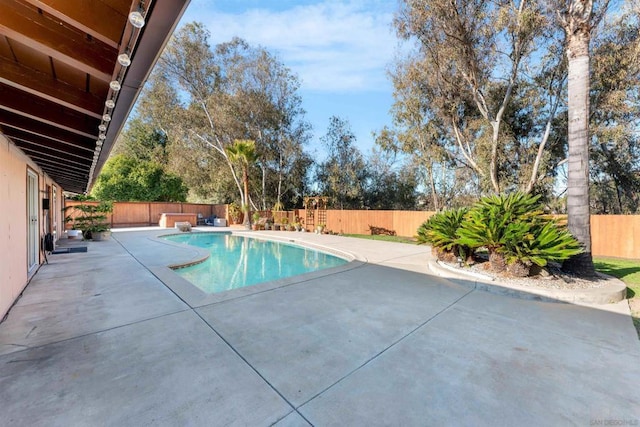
[244, 152]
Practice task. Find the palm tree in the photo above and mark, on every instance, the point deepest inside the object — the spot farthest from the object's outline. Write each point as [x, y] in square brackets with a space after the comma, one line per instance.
[244, 151]
[578, 20]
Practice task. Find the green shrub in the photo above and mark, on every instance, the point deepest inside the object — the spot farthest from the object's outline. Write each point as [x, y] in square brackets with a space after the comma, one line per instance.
[490, 219]
[538, 242]
[440, 231]
[515, 230]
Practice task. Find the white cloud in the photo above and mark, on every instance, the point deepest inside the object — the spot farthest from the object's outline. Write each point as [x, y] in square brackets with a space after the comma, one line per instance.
[334, 46]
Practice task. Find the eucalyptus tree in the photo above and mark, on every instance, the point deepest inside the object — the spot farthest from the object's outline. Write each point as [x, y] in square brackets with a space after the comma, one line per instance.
[205, 97]
[389, 184]
[342, 175]
[615, 113]
[275, 117]
[472, 60]
[423, 157]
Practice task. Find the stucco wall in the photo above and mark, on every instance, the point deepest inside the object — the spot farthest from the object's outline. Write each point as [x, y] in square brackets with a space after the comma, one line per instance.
[13, 220]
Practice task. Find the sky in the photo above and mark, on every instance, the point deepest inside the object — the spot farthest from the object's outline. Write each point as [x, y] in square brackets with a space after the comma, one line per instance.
[339, 49]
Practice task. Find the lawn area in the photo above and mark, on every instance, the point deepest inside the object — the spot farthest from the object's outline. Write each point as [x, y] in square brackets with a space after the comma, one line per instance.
[629, 272]
[397, 239]
[626, 270]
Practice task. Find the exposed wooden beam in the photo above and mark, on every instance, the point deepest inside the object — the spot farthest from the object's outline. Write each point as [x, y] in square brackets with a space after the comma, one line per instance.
[41, 159]
[50, 113]
[55, 134]
[23, 23]
[72, 184]
[54, 169]
[95, 18]
[44, 144]
[162, 18]
[44, 86]
[55, 159]
[69, 183]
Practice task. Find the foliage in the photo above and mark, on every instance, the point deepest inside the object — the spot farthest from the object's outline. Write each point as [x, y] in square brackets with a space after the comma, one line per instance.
[125, 178]
[615, 108]
[481, 99]
[387, 186]
[143, 141]
[342, 176]
[89, 217]
[515, 227]
[440, 231]
[277, 207]
[205, 97]
[243, 151]
[538, 241]
[479, 90]
[491, 217]
[235, 211]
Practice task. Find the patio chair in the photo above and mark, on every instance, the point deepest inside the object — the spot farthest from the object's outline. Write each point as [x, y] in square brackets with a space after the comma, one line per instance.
[209, 221]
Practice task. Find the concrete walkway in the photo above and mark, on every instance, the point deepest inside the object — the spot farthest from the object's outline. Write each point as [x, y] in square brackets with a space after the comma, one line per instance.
[113, 337]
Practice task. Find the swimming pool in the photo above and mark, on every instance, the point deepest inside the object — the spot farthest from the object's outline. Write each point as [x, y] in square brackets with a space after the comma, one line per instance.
[238, 261]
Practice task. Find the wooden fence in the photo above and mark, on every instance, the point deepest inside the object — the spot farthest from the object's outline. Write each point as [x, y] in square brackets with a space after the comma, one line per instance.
[611, 235]
[139, 214]
[615, 236]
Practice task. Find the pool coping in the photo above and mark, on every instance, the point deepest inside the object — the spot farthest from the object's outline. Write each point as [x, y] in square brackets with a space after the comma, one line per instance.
[195, 297]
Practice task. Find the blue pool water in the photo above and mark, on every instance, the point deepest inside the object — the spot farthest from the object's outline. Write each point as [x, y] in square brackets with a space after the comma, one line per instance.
[238, 261]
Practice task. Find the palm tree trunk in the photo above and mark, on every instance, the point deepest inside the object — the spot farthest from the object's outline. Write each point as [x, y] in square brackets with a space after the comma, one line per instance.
[578, 161]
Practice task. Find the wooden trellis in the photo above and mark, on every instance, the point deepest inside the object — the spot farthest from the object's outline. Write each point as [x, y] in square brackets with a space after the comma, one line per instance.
[316, 211]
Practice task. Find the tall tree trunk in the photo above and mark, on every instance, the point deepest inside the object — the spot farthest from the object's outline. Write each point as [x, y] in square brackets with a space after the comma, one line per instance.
[432, 184]
[578, 181]
[280, 178]
[264, 187]
[247, 207]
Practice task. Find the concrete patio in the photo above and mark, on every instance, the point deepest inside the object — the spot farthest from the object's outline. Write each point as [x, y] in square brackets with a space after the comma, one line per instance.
[113, 337]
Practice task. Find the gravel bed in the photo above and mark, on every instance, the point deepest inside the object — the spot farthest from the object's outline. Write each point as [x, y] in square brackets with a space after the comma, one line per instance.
[552, 277]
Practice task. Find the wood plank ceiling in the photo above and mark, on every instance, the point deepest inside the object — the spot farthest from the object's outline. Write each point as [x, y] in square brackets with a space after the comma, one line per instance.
[57, 58]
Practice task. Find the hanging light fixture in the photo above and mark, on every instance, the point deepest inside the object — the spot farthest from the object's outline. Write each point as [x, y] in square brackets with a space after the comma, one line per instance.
[136, 18]
[102, 136]
[124, 59]
[106, 118]
[102, 127]
[115, 85]
[99, 143]
[110, 103]
[98, 149]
